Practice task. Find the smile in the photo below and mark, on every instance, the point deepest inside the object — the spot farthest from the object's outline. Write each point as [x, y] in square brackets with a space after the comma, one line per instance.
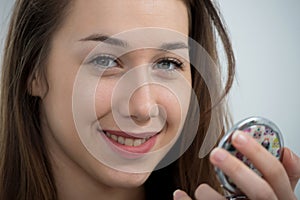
[127, 141]
[125, 144]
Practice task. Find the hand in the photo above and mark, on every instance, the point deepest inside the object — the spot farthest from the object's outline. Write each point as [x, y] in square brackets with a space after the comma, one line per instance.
[279, 181]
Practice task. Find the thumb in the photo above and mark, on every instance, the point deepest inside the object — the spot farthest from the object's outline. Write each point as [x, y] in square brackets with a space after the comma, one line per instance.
[291, 163]
[181, 195]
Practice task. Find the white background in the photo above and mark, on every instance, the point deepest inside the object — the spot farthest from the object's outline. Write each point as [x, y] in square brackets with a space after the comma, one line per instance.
[266, 40]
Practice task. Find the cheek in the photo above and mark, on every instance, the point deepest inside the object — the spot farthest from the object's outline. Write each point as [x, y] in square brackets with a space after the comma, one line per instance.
[59, 130]
[103, 96]
[175, 109]
[57, 110]
[176, 99]
[61, 76]
[172, 107]
[58, 102]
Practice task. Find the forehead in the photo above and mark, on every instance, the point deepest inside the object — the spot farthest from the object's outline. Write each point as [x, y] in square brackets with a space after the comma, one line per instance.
[115, 16]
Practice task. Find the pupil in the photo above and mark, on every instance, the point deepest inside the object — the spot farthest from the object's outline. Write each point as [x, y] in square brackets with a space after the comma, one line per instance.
[165, 65]
[103, 62]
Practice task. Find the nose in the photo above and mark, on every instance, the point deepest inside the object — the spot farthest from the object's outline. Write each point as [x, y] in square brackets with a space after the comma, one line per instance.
[136, 96]
[142, 104]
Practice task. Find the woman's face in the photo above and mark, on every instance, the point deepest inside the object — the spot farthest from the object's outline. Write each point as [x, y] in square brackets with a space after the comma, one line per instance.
[114, 87]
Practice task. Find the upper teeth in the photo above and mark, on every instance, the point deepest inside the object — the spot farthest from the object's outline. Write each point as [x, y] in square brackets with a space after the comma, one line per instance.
[127, 141]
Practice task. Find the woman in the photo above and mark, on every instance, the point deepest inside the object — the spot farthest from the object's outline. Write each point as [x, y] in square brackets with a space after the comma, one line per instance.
[46, 153]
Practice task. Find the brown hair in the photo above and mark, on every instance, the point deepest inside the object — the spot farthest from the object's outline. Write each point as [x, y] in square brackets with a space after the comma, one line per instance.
[25, 169]
[206, 21]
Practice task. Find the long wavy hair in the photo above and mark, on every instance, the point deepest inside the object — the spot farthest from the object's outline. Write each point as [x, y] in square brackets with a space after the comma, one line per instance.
[25, 168]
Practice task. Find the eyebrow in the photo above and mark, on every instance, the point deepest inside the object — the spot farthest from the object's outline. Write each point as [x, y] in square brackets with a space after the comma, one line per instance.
[105, 39]
[118, 42]
[173, 46]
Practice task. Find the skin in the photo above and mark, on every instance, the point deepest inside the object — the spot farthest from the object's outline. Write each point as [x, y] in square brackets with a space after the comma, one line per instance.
[77, 173]
[280, 179]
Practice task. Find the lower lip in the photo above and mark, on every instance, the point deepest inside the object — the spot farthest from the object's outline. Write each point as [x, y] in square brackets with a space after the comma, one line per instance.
[131, 152]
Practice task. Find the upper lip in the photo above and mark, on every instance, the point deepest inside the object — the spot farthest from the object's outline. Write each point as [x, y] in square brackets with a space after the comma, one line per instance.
[140, 135]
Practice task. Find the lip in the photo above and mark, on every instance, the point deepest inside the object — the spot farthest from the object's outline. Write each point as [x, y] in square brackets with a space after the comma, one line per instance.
[131, 152]
[131, 135]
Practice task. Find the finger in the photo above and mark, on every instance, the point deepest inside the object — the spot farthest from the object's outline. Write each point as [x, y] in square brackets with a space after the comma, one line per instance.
[180, 195]
[291, 163]
[271, 169]
[247, 180]
[205, 192]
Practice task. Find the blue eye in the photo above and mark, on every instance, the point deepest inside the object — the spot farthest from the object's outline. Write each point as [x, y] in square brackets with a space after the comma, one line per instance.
[169, 64]
[104, 61]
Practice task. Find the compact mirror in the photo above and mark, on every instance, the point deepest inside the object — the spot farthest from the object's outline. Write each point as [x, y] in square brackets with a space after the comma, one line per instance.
[264, 132]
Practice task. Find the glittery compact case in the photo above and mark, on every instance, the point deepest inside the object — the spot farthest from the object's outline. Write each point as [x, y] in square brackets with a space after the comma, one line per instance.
[264, 132]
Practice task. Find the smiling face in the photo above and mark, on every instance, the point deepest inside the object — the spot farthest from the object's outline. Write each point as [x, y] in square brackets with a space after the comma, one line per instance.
[116, 95]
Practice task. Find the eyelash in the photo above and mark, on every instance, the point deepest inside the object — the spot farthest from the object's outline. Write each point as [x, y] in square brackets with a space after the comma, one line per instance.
[177, 62]
[170, 60]
[105, 56]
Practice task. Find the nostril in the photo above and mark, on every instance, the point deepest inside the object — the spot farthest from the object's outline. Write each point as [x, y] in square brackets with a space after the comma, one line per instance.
[154, 111]
[141, 113]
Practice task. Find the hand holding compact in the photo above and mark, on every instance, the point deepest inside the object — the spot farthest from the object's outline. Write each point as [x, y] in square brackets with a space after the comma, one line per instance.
[249, 167]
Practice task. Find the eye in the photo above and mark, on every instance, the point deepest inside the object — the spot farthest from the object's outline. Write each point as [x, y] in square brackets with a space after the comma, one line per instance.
[104, 61]
[169, 64]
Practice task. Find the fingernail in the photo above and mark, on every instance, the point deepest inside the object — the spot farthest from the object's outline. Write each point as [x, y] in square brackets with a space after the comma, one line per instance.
[292, 155]
[178, 194]
[239, 138]
[218, 154]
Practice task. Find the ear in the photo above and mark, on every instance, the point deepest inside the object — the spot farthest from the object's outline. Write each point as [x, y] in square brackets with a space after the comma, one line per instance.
[35, 85]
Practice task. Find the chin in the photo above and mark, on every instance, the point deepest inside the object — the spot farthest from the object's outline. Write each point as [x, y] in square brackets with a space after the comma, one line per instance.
[131, 180]
[118, 179]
